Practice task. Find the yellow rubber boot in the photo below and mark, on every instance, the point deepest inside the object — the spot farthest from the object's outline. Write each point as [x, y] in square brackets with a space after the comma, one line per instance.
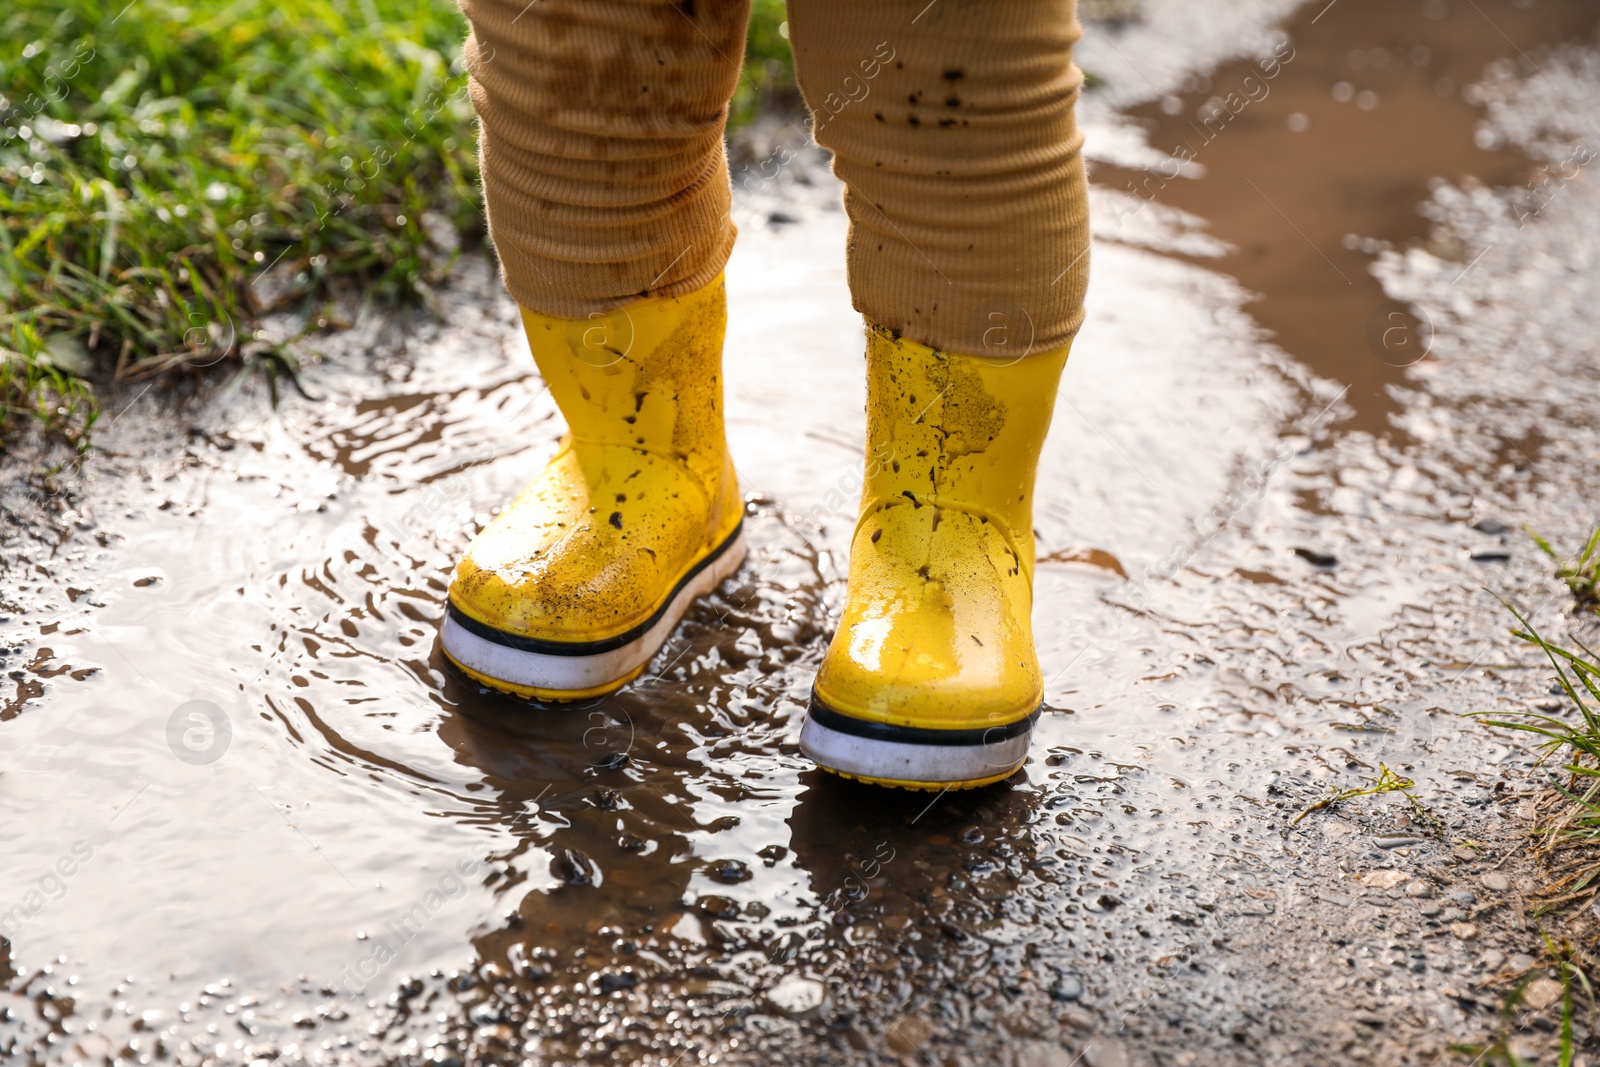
[572, 589]
[931, 681]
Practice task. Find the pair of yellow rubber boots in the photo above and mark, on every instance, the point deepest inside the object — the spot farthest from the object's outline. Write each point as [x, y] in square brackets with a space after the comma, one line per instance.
[930, 682]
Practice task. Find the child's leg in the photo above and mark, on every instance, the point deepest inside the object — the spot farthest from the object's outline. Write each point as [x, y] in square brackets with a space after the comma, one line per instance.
[608, 203]
[952, 125]
[603, 163]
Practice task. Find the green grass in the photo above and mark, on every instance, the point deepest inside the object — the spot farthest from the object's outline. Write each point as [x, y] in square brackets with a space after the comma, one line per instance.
[1569, 830]
[1386, 782]
[1562, 962]
[1569, 834]
[170, 172]
[767, 82]
[1572, 739]
[1580, 573]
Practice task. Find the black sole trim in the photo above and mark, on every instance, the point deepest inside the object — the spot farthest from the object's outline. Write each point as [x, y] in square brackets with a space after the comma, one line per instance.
[543, 647]
[919, 735]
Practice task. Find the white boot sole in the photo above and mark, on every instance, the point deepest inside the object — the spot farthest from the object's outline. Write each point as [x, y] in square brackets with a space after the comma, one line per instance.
[915, 758]
[586, 666]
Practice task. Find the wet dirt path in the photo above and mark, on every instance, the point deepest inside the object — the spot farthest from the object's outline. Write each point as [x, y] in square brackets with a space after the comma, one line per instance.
[251, 817]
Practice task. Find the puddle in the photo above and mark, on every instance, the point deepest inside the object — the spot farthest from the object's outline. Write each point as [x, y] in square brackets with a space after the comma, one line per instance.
[252, 818]
[1310, 162]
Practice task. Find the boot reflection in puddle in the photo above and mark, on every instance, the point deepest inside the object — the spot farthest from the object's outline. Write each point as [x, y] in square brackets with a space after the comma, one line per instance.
[924, 888]
[608, 197]
[647, 824]
[637, 863]
[600, 856]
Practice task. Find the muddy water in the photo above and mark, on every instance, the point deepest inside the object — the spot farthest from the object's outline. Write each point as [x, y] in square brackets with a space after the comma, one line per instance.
[250, 816]
[1314, 159]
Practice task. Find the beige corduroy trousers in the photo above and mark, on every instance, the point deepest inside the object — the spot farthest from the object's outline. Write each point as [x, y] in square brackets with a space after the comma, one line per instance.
[951, 124]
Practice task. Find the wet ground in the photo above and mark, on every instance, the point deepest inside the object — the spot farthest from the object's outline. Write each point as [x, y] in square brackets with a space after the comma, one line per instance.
[251, 818]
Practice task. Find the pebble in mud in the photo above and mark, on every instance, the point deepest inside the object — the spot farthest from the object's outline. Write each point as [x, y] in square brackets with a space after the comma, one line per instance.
[907, 1034]
[1041, 1054]
[1077, 1019]
[730, 872]
[1067, 987]
[1542, 992]
[1103, 1052]
[1382, 879]
[717, 907]
[1496, 882]
[794, 994]
[573, 867]
[1323, 560]
[1419, 890]
[612, 981]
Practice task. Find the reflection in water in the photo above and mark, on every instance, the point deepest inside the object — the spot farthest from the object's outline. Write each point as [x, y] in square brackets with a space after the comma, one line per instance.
[672, 856]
